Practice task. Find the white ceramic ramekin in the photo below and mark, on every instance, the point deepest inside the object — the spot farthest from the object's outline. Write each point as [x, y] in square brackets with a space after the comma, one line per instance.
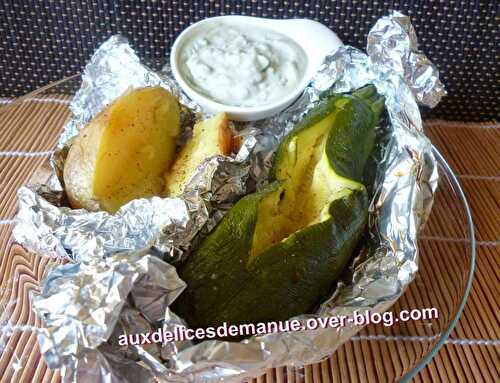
[316, 39]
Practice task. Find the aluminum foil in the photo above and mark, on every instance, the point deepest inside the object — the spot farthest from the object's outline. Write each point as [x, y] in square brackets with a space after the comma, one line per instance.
[84, 344]
[169, 224]
[45, 225]
[113, 69]
[107, 287]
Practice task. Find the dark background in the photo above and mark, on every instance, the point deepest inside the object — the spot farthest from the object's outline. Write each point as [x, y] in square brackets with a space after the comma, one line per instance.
[42, 41]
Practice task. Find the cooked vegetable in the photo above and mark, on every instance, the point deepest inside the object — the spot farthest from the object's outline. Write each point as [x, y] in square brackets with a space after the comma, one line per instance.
[279, 251]
[210, 137]
[123, 153]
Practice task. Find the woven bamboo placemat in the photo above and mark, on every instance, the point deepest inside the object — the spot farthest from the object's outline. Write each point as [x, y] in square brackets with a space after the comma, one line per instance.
[471, 354]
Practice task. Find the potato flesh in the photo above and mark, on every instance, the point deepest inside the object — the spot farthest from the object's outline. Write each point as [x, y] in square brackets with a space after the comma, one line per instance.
[210, 137]
[308, 186]
[136, 147]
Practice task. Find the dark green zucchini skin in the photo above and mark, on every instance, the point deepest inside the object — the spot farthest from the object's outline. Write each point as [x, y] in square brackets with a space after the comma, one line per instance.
[354, 128]
[216, 271]
[352, 139]
[288, 279]
[292, 276]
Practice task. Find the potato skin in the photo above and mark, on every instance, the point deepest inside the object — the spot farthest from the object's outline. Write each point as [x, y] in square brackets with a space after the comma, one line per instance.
[123, 152]
[80, 163]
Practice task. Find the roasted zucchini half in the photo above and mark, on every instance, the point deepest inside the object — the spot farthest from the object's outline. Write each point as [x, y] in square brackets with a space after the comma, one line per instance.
[278, 252]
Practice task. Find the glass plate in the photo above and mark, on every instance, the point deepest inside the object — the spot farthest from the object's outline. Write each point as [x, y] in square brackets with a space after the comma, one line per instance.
[378, 353]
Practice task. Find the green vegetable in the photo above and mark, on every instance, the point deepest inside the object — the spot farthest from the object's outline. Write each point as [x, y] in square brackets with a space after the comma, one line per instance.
[278, 252]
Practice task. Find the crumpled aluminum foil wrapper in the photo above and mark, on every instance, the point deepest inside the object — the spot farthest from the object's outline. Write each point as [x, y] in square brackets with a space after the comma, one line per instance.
[46, 226]
[84, 345]
[113, 69]
[105, 287]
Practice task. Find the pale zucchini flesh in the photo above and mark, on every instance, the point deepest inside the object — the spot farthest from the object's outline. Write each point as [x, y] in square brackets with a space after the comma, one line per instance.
[308, 186]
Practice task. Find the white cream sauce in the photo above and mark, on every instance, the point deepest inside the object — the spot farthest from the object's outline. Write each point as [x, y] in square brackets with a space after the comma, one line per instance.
[242, 66]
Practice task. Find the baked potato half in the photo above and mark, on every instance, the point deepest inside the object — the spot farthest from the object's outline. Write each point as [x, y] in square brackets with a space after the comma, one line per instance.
[210, 137]
[124, 151]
